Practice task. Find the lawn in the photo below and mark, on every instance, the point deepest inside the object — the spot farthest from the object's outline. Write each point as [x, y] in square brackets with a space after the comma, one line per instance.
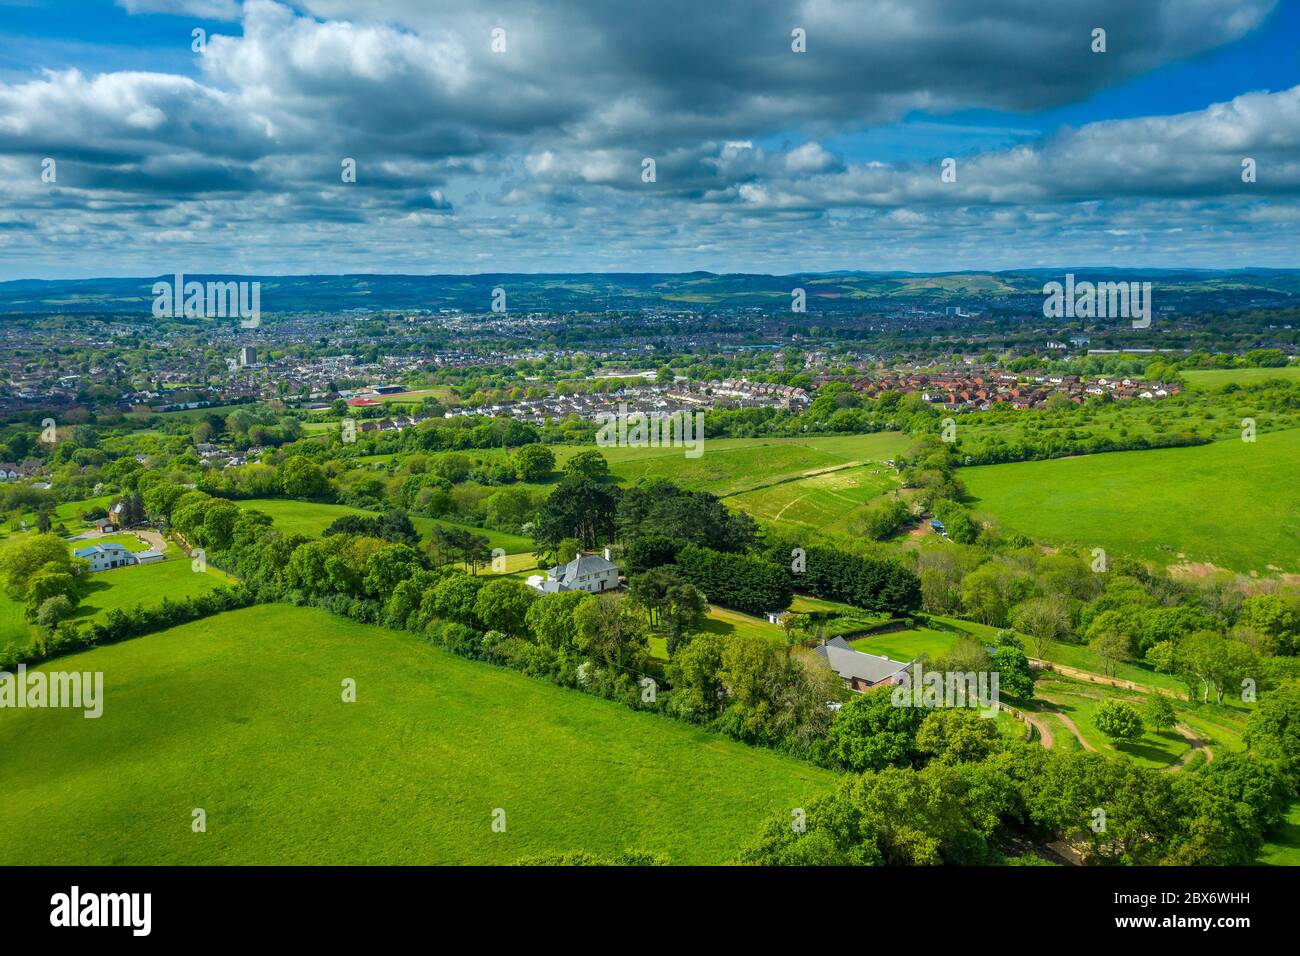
[241, 715]
[1080, 701]
[1233, 504]
[907, 644]
[1072, 655]
[146, 584]
[722, 620]
[1220, 727]
[128, 541]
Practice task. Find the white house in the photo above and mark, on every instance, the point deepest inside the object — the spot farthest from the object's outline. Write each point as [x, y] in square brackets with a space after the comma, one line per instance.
[105, 556]
[587, 572]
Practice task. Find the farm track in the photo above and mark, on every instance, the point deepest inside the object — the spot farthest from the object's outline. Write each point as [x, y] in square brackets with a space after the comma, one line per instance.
[1196, 743]
[815, 473]
[1067, 671]
[1070, 725]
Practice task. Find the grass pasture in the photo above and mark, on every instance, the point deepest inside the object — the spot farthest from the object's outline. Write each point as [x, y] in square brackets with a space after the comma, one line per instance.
[145, 584]
[311, 518]
[1211, 378]
[1153, 504]
[241, 714]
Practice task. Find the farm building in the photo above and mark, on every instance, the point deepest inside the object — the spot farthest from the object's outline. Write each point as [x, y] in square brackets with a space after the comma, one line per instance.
[860, 672]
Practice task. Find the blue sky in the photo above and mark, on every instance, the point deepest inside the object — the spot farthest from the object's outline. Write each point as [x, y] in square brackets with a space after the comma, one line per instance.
[530, 158]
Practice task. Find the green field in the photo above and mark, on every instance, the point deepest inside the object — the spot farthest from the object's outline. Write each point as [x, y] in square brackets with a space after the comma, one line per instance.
[1203, 379]
[1079, 701]
[907, 644]
[816, 482]
[146, 584]
[1232, 504]
[308, 518]
[241, 715]
[311, 518]
[1283, 846]
[13, 622]
[128, 541]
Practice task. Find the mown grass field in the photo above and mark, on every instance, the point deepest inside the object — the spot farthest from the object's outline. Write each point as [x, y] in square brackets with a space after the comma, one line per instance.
[145, 584]
[308, 518]
[814, 482]
[906, 645]
[241, 715]
[1079, 702]
[1208, 378]
[1232, 504]
[13, 623]
[311, 518]
[128, 541]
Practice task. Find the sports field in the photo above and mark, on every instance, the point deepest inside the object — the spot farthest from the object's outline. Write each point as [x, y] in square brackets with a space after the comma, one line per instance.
[1233, 504]
[242, 715]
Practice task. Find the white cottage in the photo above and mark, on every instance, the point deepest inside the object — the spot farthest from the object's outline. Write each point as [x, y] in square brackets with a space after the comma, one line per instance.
[102, 557]
[587, 572]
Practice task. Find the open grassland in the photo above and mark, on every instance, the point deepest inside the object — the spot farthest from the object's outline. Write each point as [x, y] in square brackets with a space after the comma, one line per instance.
[824, 502]
[817, 482]
[241, 714]
[13, 623]
[1219, 726]
[311, 518]
[1232, 504]
[1283, 846]
[1209, 378]
[308, 518]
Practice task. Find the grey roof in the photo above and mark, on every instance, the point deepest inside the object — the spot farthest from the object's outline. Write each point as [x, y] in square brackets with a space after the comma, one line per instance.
[849, 663]
[97, 549]
[580, 567]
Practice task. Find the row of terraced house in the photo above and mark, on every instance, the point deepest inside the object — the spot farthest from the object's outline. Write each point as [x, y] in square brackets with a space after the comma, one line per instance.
[983, 389]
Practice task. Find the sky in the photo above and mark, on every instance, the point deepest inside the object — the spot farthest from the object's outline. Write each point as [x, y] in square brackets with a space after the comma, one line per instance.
[148, 137]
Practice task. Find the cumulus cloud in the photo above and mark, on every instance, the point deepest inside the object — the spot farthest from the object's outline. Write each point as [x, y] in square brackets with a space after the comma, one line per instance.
[531, 153]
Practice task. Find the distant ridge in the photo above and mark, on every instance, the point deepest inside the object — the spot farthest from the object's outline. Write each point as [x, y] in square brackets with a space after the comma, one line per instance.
[840, 291]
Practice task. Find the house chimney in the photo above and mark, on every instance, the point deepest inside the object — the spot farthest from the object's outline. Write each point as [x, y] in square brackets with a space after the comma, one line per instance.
[607, 554]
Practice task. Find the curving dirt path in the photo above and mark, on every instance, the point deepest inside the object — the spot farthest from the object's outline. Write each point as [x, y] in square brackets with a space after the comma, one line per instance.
[1072, 727]
[1044, 732]
[1064, 669]
[1196, 744]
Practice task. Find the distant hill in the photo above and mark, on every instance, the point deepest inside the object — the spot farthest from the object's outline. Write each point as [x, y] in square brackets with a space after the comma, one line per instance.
[830, 291]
